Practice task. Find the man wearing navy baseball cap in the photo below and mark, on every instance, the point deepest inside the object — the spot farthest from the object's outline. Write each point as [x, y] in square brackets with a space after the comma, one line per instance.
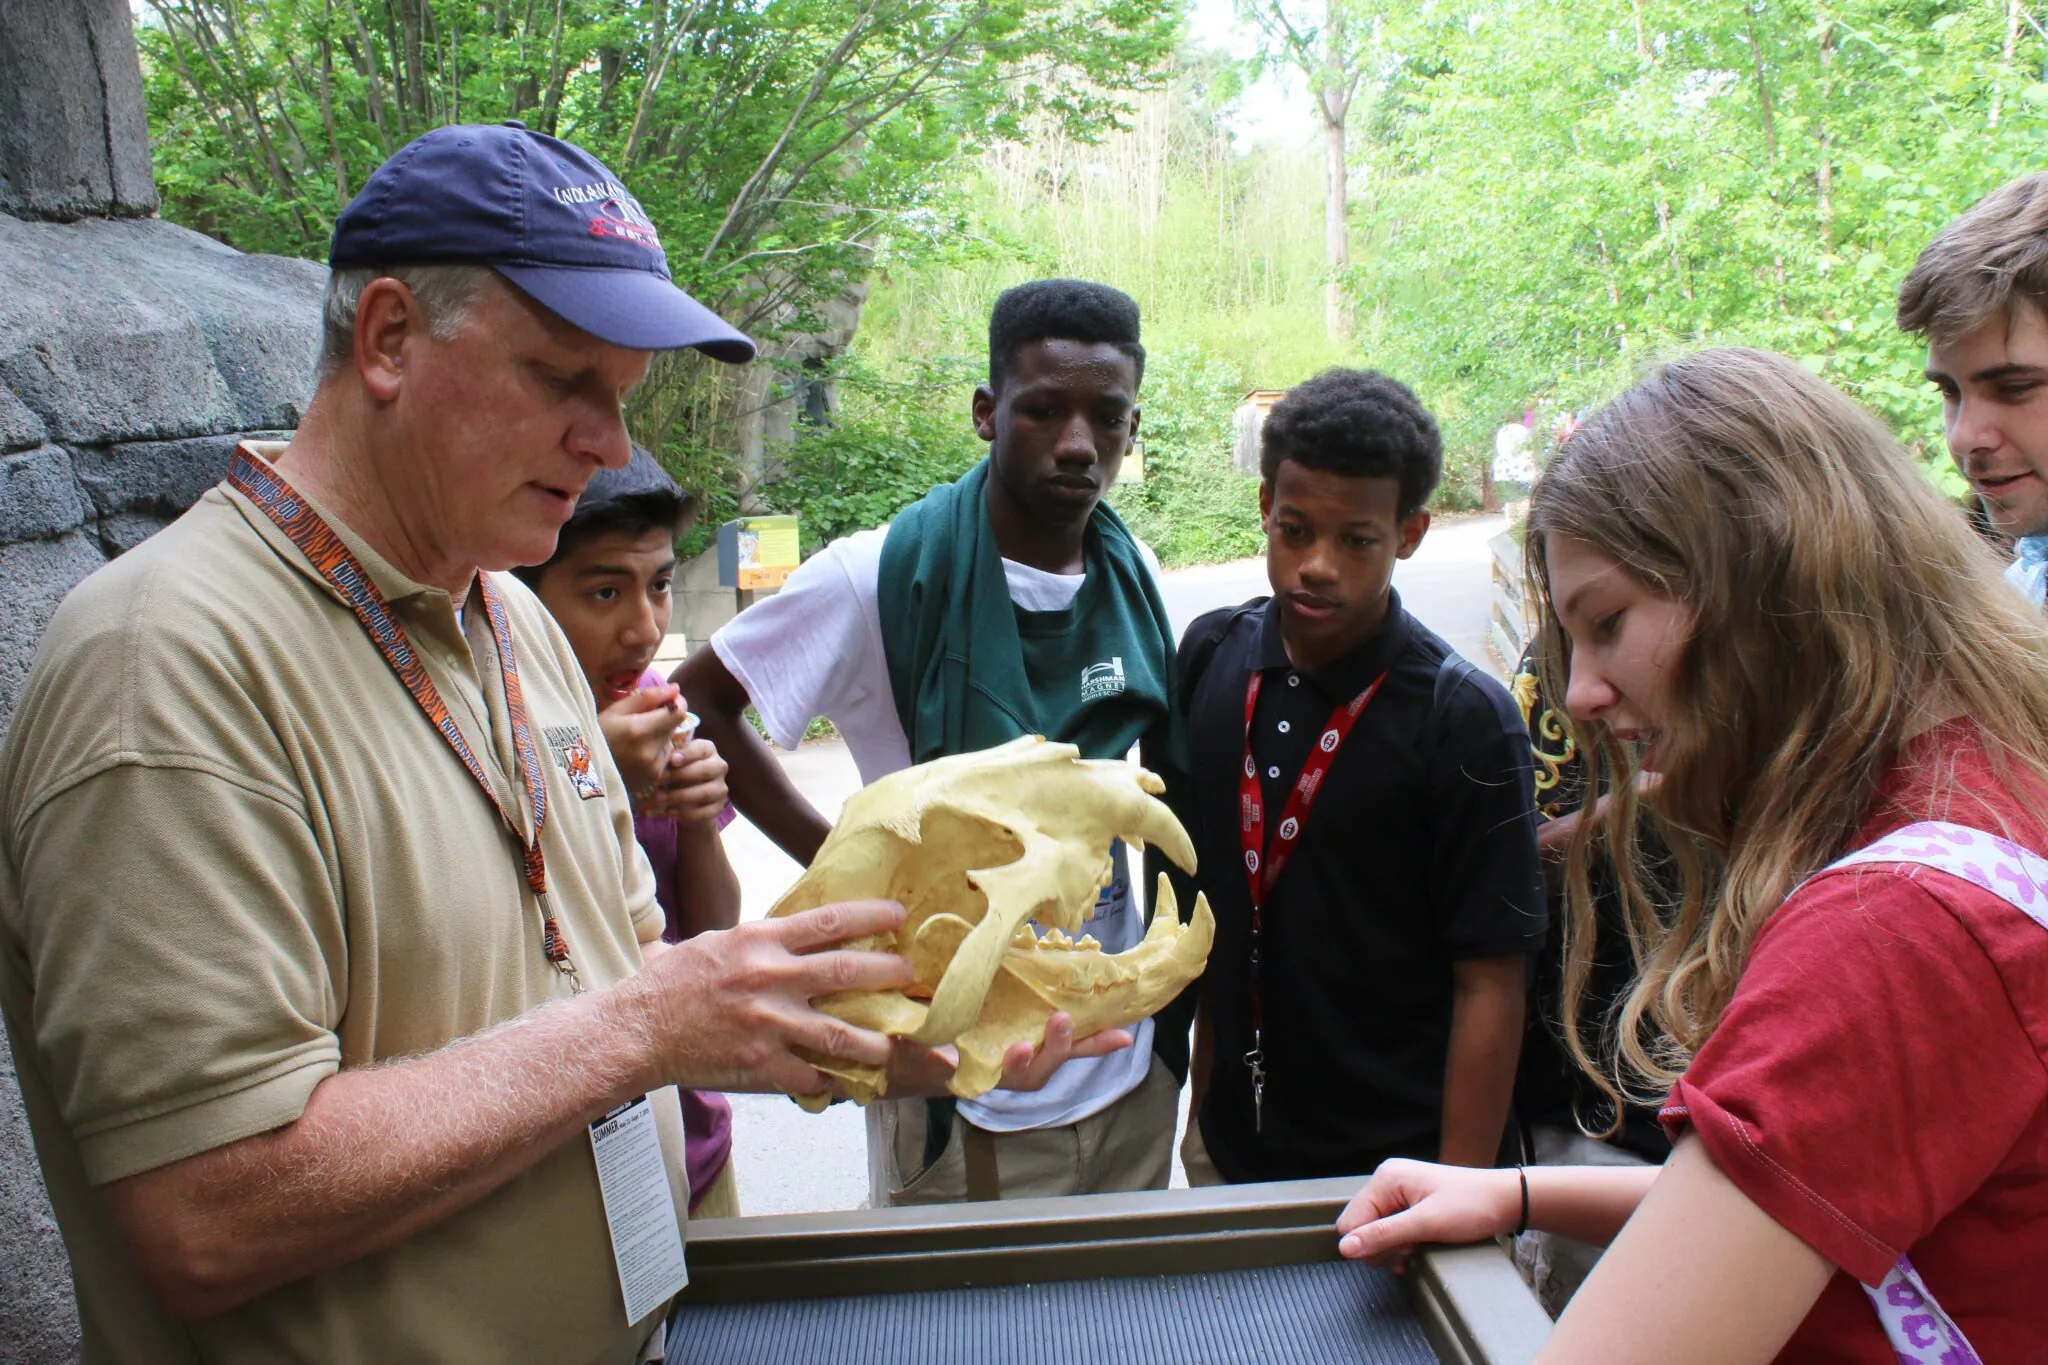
[543, 214]
[357, 1044]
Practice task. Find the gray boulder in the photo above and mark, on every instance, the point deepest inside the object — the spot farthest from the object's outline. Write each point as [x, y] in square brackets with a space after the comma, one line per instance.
[133, 354]
[34, 576]
[39, 495]
[20, 429]
[161, 478]
[132, 331]
[38, 1319]
[74, 135]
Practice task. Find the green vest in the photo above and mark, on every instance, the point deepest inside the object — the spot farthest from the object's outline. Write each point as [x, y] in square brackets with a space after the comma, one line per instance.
[970, 670]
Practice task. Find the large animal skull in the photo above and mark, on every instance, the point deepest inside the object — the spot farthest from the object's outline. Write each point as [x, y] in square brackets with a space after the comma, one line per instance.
[974, 846]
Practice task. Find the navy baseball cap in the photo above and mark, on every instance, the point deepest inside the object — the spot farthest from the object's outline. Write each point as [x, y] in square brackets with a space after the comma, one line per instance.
[546, 215]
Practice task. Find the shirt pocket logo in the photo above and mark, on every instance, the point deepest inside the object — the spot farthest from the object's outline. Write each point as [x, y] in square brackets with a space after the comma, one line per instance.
[1102, 680]
[573, 757]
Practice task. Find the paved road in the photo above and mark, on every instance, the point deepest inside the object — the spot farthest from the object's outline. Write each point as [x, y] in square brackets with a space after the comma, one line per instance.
[792, 1162]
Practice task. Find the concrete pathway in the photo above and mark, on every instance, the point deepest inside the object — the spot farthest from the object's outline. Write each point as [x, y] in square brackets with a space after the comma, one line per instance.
[792, 1162]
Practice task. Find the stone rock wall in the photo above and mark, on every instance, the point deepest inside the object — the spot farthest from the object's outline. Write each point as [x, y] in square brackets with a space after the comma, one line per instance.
[133, 354]
[74, 140]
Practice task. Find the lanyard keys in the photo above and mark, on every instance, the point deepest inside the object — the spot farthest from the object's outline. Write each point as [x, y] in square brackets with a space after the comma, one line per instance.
[1256, 1060]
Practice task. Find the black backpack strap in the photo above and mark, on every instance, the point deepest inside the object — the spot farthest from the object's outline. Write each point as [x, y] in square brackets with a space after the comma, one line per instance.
[1205, 648]
[1450, 676]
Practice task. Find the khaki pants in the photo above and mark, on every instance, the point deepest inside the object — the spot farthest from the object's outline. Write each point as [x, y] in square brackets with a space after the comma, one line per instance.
[1194, 1156]
[1128, 1146]
[1556, 1266]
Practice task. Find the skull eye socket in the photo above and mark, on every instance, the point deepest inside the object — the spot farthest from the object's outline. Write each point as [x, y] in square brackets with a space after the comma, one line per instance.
[931, 877]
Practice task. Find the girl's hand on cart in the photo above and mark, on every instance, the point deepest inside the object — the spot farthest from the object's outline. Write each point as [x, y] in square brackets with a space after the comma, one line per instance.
[1416, 1203]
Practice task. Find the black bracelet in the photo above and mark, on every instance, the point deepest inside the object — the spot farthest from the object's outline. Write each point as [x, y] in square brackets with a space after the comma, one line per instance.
[1522, 1174]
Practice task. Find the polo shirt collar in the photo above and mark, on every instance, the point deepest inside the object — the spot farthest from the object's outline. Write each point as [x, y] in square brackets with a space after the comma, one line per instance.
[1348, 675]
[395, 585]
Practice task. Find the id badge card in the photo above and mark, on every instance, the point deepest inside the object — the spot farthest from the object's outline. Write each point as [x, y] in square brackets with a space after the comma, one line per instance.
[647, 1239]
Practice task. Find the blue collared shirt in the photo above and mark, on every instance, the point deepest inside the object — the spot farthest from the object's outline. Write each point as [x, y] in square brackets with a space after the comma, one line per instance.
[2029, 569]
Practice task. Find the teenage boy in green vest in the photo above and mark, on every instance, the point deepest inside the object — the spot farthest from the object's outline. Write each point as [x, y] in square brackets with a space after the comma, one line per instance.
[1012, 602]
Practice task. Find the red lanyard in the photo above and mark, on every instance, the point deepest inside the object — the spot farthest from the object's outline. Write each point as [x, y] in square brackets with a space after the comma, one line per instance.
[333, 560]
[1262, 868]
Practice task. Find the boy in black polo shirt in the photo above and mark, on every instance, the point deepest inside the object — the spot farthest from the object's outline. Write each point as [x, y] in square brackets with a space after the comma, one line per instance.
[1376, 791]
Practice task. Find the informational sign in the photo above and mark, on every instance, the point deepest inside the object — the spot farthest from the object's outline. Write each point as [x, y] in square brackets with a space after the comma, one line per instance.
[757, 552]
[647, 1240]
[1247, 424]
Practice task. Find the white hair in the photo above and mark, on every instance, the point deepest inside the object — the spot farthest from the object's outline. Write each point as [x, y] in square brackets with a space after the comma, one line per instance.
[445, 294]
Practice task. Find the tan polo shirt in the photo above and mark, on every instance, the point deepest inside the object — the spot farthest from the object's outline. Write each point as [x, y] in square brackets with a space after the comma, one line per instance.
[234, 857]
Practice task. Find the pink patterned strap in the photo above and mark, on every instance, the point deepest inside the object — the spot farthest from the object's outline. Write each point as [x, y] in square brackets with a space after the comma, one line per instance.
[1919, 1332]
[2015, 875]
[1917, 1328]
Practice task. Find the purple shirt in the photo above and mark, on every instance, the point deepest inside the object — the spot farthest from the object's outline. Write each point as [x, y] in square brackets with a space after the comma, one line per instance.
[707, 1116]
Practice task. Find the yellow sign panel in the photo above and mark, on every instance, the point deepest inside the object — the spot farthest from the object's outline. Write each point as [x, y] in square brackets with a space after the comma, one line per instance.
[768, 543]
[756, 553]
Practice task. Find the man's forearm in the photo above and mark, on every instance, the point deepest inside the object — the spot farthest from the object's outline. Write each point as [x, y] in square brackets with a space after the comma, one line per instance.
[378, 1155]
[1479, 1068]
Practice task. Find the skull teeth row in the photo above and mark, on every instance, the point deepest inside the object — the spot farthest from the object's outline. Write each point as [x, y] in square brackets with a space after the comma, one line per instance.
[1053, 938]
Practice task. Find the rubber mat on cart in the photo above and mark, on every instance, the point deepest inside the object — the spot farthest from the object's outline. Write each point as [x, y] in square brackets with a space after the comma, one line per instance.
[1327, 1314]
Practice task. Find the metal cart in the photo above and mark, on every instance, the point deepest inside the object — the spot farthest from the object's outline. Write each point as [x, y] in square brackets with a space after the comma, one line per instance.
[1216, 1276]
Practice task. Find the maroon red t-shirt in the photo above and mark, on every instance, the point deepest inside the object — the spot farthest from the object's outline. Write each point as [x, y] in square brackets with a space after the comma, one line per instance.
[1878, 1084]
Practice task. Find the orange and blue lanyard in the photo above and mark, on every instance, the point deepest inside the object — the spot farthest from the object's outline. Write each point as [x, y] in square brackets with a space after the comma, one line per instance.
[1262, 866]
[335, 563]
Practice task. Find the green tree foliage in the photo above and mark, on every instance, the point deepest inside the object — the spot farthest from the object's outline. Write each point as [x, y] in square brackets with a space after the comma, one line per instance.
[1563, 193]
[1191, 507]
[773, 142]
[896, 437]
[1544, 197]
[1222, 248]
[1339, 47]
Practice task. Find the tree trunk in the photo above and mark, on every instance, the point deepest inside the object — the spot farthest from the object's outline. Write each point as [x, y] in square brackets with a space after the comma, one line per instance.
[558, 76]
[74, 141]
[1763, 96]
[341, 194]
[2012, 42]
[1824, 173]
[1671, 245]
[1336, 229]
[411, 22]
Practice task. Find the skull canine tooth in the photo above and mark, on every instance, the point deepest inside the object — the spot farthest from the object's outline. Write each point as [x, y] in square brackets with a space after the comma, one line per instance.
[975, 846]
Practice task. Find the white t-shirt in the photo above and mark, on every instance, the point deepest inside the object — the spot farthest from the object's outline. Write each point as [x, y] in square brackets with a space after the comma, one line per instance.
[815, 649]
[1512, 460]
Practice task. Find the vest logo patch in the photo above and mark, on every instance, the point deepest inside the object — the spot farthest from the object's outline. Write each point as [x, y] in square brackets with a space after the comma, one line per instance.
[1103, 679]
[572, 755]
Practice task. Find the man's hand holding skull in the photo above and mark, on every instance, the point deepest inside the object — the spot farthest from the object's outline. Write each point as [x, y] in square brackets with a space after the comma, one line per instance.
[979, 848]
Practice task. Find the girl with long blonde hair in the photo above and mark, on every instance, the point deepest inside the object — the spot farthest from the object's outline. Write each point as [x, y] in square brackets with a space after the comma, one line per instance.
[1764, 619]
